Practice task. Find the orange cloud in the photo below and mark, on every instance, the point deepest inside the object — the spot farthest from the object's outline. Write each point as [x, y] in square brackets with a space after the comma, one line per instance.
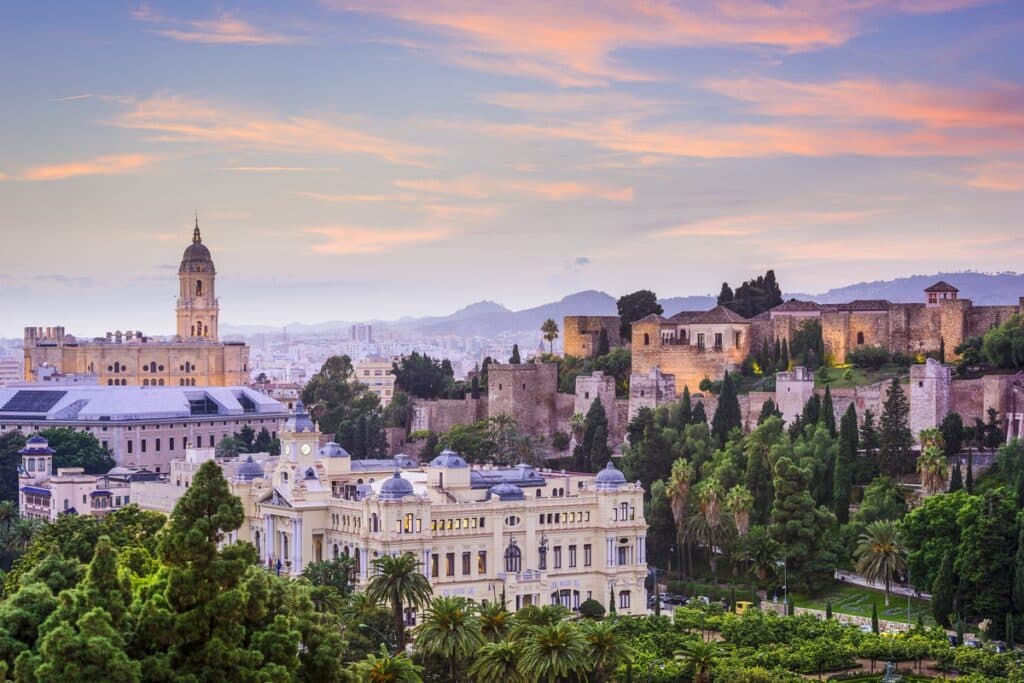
[279, 169]
[114, 164]
[757, 224]
[349, 240]
[476, 187]
[998, 176]
[180, 119]
[575, 43]
[225, 29]
[355, 198]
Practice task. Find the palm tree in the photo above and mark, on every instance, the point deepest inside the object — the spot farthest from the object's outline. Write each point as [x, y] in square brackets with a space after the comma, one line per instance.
[385, 668]
[550, 330]
[498, 662]
[711, 527]
[701, 655]
[450, 630]
[605, 645]
[553, 653]
[533, 616]
[18, 536]
[739, 501]
[880, 554]
[494, 621]
[933, 467]
[397, 583]
[761, 552]
[678, 492]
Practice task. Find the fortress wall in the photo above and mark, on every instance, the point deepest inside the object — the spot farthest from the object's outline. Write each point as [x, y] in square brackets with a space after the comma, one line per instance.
[580, 333]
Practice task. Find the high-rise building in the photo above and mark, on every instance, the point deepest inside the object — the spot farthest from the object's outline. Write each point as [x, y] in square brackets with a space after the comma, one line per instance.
[362, 332]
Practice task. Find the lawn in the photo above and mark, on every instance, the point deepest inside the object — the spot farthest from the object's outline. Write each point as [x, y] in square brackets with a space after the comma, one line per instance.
[857, 600]
[860, 377]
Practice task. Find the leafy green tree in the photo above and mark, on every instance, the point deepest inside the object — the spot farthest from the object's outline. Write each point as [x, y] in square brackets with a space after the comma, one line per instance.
[880, 554]
[336, 574]
[701, 655]
[89, 650]
[78, 449]
[263, 441]
[800, 527]
[808, 345]
[874, 617]
[398, 583]
[246, 439]
[712, 526]
[10, 444]
[1003, 345]
[550, 331]
[930, 531]
[725, 295]
[944, 590]
[761, 553]
[227, 448]
[754, 296]
[1018, 573]
[632, 307]
[515, 359]
[678, 492]
[555, 652]
[421, 376]
[739, 502]
[700, 417]
[895, 437]
[450, 631]
[727, 414]
[336, 400]
[984, 561]
[846, 458]
[760, 446]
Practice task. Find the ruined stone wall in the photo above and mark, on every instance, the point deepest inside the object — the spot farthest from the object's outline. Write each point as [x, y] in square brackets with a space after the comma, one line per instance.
[525, 392]
[617, 436]
[593, 386]
[760, 330]
[870, 397]
[580, 333]
[650, 390]
[565, 405]
[980, 319]
[750, 407]
[440, 415]
[929, 395]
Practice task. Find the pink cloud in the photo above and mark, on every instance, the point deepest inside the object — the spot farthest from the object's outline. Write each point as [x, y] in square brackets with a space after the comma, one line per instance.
[477, 187]
[998, 176]
[756, 224]
[114, 164]
[348, 240]
[575, 43]
[180, 119]
[224, 29]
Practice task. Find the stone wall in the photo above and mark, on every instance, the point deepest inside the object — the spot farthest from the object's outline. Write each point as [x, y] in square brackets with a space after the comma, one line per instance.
[929, 395]
[980, 319]
[792, 391]
[440, 415]
[525, 392]
[580, 333]
[591, 387]
[967, 398]
[650, 390]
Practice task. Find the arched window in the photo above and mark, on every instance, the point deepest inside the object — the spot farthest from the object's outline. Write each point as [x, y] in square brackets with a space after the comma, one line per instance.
[374, 523]
[647, 339]
[161, 382]
[145, 382]
[513, 557]
[860, 337]
[199, 287]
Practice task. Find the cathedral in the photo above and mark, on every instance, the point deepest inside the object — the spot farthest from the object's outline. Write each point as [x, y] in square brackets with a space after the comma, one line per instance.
[193, 357]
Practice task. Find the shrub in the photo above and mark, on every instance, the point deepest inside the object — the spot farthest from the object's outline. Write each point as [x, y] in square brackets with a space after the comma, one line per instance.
[560, 441]
[591, 609]
[868, 357]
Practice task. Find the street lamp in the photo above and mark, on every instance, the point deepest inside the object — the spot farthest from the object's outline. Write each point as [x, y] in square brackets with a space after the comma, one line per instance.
[785, 582]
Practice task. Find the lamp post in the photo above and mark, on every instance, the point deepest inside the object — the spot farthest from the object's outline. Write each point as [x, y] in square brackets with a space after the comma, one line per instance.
[785, 583]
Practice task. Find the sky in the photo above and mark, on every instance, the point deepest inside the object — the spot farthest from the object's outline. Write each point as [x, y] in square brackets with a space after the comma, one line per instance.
[373, 159]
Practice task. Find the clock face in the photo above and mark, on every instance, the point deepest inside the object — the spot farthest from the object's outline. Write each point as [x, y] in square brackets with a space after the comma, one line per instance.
[305, 449]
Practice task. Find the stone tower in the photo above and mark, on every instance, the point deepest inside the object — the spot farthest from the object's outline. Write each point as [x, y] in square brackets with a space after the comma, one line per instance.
[929, 395]
[198, 308]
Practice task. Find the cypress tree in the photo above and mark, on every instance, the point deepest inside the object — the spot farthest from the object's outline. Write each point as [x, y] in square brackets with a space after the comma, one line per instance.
[952, 429]
[768, 409]
[699, 416]
[959, 632]
[764, 358]
[603, 347]
[828, 610]
[842, 474]
[895, 436]
[776, 354]
[686, 408]
[956, 480]
[943, 591]
[474, 390]
[1018, 572]
[942, 349]
[515, 359]
[1011, 632]
[969, 484]
[874, 617]
[784, 361]
[827, 416]
[727, 414]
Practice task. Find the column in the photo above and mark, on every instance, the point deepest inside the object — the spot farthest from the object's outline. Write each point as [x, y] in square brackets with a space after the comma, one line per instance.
[296, 546]
[268, 537]
[611, 552]
[363, 564]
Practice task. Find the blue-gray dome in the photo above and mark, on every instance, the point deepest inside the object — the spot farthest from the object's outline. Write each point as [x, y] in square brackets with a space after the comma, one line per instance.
[249, 470]
[396, 488]
[610, 477]
[299, 420]
[333, 450]
[505, 492]
[448, 459]
[36, 445]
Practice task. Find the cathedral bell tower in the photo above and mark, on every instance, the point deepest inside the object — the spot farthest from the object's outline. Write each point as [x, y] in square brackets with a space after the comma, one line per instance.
[198, 308]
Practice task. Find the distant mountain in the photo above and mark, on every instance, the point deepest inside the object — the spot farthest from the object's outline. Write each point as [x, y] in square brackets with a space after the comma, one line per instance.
[491, 319]
[984, 289]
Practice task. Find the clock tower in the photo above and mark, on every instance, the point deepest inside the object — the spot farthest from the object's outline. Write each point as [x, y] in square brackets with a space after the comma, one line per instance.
[198, 308]
[300, 440]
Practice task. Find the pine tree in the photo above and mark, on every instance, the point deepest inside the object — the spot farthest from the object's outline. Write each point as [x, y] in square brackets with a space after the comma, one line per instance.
[768, 409]
[956, 480]
[944, 590]
[827, 416]
[812, 411]
[515, 359]
[727, 415]
[725, 295]
[846, 457]
[801, 528]
[895, 437]
[699, 416]
[686, 408]
[874, 617]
